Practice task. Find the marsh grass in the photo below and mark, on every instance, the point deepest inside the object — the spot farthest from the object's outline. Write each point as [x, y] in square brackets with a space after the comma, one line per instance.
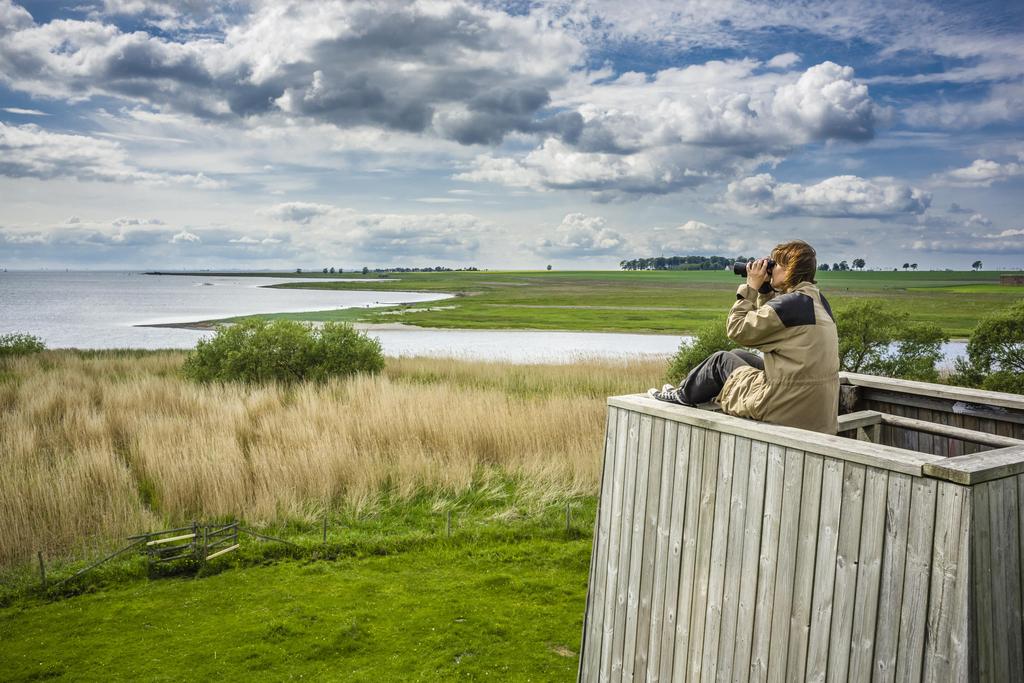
[97, 446]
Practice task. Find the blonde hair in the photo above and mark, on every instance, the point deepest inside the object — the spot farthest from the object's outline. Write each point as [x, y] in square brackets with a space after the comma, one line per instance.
[799, 258]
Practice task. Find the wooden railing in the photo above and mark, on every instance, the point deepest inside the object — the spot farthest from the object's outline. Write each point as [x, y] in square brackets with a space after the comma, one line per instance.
[728, 549]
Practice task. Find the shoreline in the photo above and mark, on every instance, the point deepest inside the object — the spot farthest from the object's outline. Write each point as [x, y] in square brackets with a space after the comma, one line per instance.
[211, 325]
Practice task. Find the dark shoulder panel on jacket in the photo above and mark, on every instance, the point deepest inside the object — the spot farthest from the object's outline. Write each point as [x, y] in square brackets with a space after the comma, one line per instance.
[828, 309]
[794, 309]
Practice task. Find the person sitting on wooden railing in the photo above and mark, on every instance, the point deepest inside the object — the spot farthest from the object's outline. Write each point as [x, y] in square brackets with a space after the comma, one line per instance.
[780, 312]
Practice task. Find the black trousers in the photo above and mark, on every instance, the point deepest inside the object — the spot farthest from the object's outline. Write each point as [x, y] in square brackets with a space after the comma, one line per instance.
[706, 380]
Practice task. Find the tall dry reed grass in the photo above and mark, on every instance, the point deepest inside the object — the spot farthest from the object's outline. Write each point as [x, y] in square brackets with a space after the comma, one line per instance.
[105, 445]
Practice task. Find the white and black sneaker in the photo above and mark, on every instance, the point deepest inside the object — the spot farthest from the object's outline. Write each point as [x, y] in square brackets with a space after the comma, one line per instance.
[668, 393]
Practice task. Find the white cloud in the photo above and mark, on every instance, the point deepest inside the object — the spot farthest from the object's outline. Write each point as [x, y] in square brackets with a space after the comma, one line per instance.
[1009, 242]
[298, 212]
[1004, 102]
[836, 197]
[981, 173]
[470, 73]
[783, 61]
[556, 165]
[683, 127]
[698, 238]
[581, 236]
[125, 221]
[29, 151]
[253, 241]
[978, 220]
[389, 236]
[185, 236]
[826, 103]
[24, 112]
[383, 236]
[1012, 232]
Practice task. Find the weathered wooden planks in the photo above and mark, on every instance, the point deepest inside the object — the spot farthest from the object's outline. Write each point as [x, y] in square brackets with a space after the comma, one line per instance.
[721, 557]
[917, 571]
[803, 579]
[1004, 520]
[662, 546]
[590, 651]
[869, 572]
[786, 565]
[743, 474]
[845, 589]
[946, 636]
[747, 603]
[825, 569]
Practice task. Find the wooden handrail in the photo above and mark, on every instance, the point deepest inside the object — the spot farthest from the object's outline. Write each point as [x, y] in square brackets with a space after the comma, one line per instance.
[860, 452]
[931, 390]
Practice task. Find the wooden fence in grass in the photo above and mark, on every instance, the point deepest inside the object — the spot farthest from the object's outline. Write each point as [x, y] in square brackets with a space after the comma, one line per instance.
[727, 549]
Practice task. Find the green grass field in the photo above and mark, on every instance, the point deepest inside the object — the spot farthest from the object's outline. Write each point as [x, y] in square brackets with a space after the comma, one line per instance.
[669, 302]
[390, 597]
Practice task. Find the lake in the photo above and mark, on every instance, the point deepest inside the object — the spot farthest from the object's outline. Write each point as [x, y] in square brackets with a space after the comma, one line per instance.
[101, 310]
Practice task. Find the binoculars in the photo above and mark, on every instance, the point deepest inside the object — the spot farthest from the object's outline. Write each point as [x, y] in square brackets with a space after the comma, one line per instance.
[740, 268]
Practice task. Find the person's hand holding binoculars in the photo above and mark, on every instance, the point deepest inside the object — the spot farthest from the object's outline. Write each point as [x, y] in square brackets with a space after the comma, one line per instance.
[757, 273]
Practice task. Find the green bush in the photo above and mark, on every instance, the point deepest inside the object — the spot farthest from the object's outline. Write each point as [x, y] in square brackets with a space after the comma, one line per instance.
[256, 351]
[708, 339]
[995, 353]
[878, 340]
[20, 344]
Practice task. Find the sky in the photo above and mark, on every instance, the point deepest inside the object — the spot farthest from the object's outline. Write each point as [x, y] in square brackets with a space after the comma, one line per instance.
[280, 135]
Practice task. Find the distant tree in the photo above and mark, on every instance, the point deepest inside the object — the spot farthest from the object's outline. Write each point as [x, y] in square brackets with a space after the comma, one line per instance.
[549, 266]
[365, 270]
[325, 270]
[843, 265]
[913, 266]
[976, 265]
[824, 267]
[906, 266]
[332, 269]
[835, 266]
[858, 263]
[298, 270]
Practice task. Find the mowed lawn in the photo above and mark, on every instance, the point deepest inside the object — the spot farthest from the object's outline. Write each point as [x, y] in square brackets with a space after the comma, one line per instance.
[486, 610]
[669, 302]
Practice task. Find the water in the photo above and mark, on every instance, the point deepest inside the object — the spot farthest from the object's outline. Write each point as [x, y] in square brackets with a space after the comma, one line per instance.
[100, 310]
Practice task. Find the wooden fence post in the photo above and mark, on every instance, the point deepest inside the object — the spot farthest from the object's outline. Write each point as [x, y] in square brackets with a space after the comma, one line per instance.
[325, 528]
[42, 569]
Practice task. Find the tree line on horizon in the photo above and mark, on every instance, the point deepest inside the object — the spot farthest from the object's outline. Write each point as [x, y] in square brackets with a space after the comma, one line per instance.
[397, 269]
[722, 263]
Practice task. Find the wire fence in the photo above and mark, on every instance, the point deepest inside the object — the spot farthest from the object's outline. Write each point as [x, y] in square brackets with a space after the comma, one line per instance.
[199, 544]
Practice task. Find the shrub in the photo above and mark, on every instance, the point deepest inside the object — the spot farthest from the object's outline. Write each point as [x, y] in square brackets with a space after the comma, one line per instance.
[20, 344]
[255, 351]
[879, 340]
[995, 353]
[708, 339]
[918, 350]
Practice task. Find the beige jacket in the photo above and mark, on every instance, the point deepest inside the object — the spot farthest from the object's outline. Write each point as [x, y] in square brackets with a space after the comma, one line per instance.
[799, 386]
